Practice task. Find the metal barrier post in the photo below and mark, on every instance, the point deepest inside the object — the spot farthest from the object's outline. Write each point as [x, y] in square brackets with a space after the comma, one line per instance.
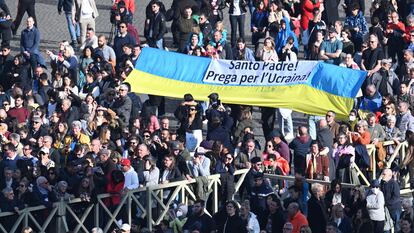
[60, 216]
[149, 207]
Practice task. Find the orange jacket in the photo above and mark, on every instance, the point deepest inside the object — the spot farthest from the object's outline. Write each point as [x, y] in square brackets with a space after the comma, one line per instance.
[297, 221]
[283, 165]
[364, 139]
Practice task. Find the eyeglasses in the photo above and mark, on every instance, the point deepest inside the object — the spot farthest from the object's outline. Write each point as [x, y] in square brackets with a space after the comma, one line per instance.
[146, 136]
[230, 206]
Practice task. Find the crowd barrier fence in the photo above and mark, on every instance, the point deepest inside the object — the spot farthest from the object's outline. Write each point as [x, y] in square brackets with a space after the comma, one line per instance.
[150, 202]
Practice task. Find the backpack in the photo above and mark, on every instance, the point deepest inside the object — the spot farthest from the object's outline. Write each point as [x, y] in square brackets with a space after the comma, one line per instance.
[132, 30]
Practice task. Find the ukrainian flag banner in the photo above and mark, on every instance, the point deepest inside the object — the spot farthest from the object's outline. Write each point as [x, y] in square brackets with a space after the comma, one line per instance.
[310, 87]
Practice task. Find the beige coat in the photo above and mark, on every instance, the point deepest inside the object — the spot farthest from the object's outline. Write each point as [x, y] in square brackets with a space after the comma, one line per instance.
[77, 9]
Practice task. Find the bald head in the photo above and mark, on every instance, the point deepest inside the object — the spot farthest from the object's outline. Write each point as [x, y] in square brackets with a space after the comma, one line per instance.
[323, 123]
[387, 174]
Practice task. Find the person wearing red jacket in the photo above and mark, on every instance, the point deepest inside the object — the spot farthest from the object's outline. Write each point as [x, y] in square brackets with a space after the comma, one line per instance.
[129, 4]
[395, 32]
[114, 186]
[307, 12]
[408, 28]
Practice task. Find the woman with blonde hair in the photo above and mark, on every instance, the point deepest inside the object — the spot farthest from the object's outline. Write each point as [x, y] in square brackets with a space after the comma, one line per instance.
[268, 52]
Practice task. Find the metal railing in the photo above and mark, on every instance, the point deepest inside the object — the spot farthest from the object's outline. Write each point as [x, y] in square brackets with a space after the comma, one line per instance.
[142, 200]
[150, 203]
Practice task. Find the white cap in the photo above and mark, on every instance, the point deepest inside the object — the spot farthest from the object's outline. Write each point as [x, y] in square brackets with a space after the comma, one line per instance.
[126, 227]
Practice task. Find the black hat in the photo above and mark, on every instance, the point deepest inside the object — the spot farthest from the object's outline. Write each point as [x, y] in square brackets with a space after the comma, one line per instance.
[213, 96]
[355, 6]
[188, 97]
[258, 175]
[174, 145]
[121, 4]
[255, 160]
[274, 134]
[375, 184]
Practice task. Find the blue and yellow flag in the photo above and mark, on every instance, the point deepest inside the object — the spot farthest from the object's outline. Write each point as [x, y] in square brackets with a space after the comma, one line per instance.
[311, 87]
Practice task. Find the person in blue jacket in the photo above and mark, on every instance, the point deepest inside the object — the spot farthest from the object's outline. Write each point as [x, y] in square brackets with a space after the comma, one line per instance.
[284, 33]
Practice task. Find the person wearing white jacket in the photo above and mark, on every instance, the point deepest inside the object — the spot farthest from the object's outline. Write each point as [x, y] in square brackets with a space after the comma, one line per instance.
[375, 207]
[251, 219]
[131, 176]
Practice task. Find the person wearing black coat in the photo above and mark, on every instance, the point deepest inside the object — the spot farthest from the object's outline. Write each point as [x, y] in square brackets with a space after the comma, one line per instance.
[232, 223]
[221, 131]
[330, 14]
[9, 203]
[336, 195]
[156, 27]
[275, 215]
[6, 60]
[19, 73]
[189, 114]
[25, 196]
[317, 214]
[5, 29]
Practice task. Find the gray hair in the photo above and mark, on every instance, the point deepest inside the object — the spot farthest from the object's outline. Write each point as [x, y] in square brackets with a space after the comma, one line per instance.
[391, 118]
[15, 137]
[77, 124]
[363, 123]
[316, 187]
[6, 190]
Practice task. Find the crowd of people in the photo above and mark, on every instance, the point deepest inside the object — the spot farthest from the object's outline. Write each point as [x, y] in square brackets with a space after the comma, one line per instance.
[71, 128]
